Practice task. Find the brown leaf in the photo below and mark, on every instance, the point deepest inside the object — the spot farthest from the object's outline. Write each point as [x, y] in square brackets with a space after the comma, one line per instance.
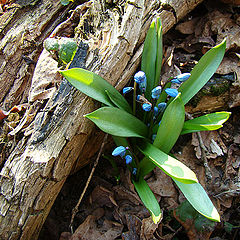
[161, 184]
[148, 228]
[187, 27]
[134, 225]
[212, 141]
[102, 197]
[45, 78]
[89, 229]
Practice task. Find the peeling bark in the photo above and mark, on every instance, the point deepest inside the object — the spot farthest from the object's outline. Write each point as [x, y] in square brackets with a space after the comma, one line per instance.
[58, 139]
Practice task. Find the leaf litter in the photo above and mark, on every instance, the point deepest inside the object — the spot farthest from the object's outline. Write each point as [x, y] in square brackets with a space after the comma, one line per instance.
[113, 210]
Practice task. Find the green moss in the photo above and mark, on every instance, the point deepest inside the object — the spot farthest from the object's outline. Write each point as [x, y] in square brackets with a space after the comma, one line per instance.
[215, 87]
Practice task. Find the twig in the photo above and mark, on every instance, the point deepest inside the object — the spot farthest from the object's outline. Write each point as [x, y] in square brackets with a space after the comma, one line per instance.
[203, 153]
[204, 157]
[75, 210]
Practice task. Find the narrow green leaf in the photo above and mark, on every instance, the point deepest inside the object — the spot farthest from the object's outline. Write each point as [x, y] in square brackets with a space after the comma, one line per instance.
[119, 101]
[171, 166]
[171, 125]
[159, 52]
[148, 199]
[118, 122]
[199, 199]
[94, 86]
[149, 58]
[202, 72]
[168, 131]
[207, 122]
[146, 166]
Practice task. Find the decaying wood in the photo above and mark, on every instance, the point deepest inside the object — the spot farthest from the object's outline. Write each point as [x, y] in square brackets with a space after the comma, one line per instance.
[58, 138]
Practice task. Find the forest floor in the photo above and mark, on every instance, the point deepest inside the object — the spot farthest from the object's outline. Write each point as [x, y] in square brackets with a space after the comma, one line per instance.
[111, 209]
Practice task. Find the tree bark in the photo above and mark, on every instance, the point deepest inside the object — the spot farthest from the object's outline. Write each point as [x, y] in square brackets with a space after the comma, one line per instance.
[52, 139]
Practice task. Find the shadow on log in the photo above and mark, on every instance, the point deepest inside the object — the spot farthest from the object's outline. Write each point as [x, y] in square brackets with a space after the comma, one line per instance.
[53, 139]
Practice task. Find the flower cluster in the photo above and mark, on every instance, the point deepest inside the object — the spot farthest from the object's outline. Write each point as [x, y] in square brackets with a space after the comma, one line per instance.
[147, 106]
[121, 151]
[154, 105]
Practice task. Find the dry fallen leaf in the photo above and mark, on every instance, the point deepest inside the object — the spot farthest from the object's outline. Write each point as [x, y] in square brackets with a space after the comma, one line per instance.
[89, 229]
[148, 228]
[161, 184]
[45, 78]
[212, 141]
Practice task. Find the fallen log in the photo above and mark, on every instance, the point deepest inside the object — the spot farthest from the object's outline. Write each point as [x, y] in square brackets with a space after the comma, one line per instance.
[52, 138]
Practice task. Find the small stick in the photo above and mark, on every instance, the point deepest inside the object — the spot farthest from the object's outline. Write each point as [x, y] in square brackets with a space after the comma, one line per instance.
[204, 157]
[203, 153]
[75, 210]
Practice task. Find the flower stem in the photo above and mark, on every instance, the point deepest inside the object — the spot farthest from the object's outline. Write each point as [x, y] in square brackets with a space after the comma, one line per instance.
[134, 97]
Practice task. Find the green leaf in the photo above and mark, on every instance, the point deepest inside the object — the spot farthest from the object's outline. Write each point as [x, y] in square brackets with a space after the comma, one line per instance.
[95, 87]
[158, 66]
[119, 101]
[146, 166]
[199, 199]
[168, 131]
[148, 199]
[171, 166]
[120, 141]
[67, 49]
[171, 125]
[149, 58]
[207, 122]
[118, 122]
[202, 72]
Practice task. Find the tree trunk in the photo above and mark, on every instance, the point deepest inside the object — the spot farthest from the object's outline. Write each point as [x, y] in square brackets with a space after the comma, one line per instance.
[52, 138]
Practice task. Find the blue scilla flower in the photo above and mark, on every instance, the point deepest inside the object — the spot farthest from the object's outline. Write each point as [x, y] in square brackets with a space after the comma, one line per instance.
[175, 80]
[140, 98]
[147, 107]
[162, 106]
[156, 92]
[183, 77]
[127, 90]
[134, 171]
[128, 159]
[140, 77]
[119, 151]
[155, 111]
[171, 92]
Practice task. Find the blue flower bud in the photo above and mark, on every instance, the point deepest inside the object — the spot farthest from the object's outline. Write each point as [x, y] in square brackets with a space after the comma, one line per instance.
[171, 92]
[162, 106]
[156, 92]
[134, 171]
[155, 111]
[140, 77]
[127, 90]
[128, 159]
[119, 151]
[175, 80]
[139, 98]
[147, 107]
[183, 77]
[159, 123]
